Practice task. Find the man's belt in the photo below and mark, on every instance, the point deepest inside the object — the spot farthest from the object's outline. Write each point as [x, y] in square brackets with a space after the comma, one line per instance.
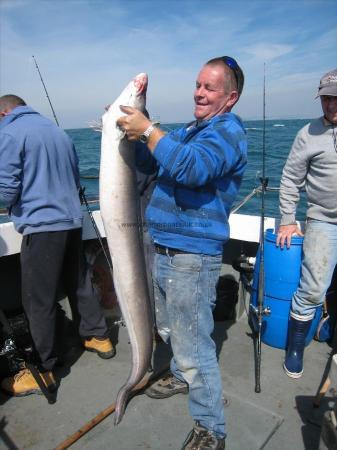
[167, 251]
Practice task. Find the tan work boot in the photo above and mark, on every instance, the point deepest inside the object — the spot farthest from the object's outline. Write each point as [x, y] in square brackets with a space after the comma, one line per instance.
[102, 346]
[23, 383]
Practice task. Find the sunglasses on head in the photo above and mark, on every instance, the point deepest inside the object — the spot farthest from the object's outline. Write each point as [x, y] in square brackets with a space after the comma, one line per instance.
[232, 64]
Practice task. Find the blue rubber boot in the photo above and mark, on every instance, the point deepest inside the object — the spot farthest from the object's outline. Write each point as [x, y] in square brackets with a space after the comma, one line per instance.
[297, 332]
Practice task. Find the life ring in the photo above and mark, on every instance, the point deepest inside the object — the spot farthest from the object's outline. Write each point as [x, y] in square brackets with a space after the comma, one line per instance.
[101, 276]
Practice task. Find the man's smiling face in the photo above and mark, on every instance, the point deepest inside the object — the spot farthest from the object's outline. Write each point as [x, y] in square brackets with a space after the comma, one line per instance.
[211, 96]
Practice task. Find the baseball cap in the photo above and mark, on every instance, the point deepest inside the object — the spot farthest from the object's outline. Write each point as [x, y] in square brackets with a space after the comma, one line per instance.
[328, 84]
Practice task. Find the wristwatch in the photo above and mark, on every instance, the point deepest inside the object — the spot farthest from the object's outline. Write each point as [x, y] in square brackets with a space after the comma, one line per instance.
[144, 137]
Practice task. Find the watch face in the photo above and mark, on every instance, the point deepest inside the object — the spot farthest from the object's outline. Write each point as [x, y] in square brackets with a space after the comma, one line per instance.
[143, 138]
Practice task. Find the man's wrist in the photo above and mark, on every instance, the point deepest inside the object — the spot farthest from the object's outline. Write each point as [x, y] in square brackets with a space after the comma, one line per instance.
[144, 137]
[288, 219]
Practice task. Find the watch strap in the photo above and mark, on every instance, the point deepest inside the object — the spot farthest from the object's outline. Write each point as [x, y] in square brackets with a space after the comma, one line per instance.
[146, 134]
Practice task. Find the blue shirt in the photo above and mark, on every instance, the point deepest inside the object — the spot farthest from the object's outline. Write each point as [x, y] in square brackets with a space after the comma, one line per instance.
[39, 177]
[201, 167]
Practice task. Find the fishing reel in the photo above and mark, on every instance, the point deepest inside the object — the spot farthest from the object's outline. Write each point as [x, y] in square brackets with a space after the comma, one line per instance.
[15, 343]
[244, 264]
[11, 353]
[255, 316]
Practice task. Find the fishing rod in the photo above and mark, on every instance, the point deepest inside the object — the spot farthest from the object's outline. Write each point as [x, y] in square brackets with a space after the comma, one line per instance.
[45, 89]
[98, 234]
[57, 122]
[260, 311]
[81, 191]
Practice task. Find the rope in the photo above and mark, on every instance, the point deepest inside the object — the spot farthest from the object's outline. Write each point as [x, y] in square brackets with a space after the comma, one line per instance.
[256, 190]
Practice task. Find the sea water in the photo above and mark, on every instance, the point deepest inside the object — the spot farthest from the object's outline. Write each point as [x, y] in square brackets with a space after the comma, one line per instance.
[279, 135]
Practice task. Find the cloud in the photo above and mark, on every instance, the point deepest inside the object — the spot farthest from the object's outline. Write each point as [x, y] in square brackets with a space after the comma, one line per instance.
[268, 52]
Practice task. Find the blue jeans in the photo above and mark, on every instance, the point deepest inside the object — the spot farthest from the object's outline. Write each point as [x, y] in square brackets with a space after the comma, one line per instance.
[319, 261]
[185, 295]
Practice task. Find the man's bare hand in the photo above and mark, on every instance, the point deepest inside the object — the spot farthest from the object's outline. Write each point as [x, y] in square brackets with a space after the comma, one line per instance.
[134, 123]
[284, 234]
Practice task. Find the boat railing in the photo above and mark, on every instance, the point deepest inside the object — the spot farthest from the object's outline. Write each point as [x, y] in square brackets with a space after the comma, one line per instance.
[91, 201]
[255, 191]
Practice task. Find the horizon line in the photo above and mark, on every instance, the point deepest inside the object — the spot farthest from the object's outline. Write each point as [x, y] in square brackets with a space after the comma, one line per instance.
[244, 120]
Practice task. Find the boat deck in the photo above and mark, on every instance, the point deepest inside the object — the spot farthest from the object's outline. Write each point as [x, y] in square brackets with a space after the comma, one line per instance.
[280, 417]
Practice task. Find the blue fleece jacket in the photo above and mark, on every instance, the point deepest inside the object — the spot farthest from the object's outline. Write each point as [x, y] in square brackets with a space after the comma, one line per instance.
[39, 175]
[200, 172]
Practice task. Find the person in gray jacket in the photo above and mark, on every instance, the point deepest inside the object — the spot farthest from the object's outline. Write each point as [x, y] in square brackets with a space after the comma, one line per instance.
[39, 183]
[312, 164]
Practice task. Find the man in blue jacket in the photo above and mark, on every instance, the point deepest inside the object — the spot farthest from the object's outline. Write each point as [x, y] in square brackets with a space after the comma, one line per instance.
[39, 182]
[200, 170]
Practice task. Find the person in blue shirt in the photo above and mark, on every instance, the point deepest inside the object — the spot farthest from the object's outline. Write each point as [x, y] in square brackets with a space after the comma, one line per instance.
[39, 183]
[200, 168]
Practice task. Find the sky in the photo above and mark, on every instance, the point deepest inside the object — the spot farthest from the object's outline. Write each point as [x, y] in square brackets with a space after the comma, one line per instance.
[88, 50]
